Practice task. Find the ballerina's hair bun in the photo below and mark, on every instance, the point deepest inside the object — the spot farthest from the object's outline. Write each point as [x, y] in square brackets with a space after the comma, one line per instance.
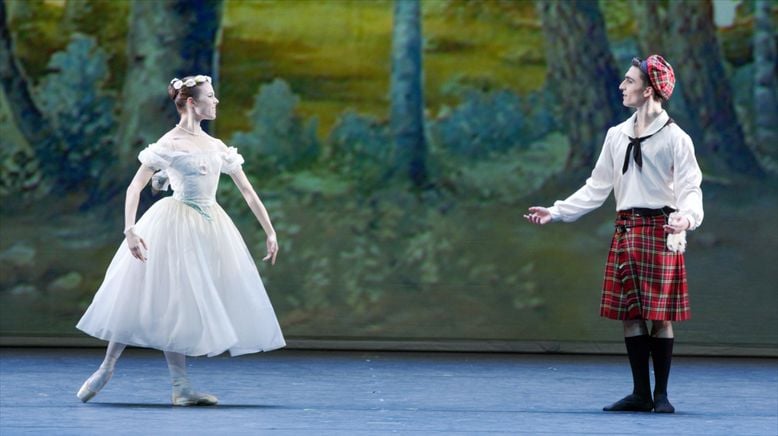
[172, 92]
[181, 89]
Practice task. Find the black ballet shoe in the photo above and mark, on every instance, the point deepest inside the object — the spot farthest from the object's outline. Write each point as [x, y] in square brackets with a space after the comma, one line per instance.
[631, 403]
[662, 404]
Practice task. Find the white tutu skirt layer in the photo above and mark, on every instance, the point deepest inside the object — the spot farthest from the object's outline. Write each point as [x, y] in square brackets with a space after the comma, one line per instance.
[198, 293]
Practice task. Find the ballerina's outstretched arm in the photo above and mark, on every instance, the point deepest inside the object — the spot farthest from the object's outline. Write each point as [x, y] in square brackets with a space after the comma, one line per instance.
[256, 206]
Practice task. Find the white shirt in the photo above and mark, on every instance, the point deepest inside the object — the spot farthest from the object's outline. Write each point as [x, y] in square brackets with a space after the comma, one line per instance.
[670, 175]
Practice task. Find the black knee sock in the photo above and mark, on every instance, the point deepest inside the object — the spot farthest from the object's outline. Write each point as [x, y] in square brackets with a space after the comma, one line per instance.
[662, 355]
[638, 350]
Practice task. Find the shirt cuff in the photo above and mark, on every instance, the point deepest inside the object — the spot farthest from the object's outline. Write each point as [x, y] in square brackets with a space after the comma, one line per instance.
[692, 222]
[555, 215]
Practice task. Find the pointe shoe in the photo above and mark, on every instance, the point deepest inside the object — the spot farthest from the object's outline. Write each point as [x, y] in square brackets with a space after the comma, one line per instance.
[194, 399]
[94, 384]
[184, 395]
[631, 403]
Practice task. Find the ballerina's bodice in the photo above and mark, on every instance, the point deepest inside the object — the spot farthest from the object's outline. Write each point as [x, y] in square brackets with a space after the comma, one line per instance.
[193, 175]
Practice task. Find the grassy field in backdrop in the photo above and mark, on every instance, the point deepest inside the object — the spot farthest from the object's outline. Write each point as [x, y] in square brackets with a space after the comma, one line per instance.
[336, 55]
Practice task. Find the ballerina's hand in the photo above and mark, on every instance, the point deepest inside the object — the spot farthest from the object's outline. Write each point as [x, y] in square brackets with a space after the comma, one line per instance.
[135, 242]
[538, 215]
[272, 249]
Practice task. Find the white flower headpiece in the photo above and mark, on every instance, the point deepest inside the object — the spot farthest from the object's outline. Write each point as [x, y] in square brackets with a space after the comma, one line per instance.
[192, 81]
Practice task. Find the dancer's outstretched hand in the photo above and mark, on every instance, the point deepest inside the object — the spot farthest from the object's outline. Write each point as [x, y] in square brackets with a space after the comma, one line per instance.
[272, 249]
[137, 245]
[538, 215]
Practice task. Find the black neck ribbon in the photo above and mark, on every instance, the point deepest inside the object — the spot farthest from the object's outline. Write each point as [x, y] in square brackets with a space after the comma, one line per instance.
[634, 147]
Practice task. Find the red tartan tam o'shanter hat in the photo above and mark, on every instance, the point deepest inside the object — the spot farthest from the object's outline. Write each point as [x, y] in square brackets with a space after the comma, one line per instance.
[661, 75]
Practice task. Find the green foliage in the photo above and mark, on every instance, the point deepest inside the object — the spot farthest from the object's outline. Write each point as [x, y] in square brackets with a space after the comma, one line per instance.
[280, 139]
[481, 125]
[506, 176]
[19, 168]
[487, 123]
[42, 27]
[35, 28]
[363, 253]
[361, 149]
[619, 17]
[511, 12]
[107, 22]
[319, 183]
[20, 171]
[539, 117]
[73, 99]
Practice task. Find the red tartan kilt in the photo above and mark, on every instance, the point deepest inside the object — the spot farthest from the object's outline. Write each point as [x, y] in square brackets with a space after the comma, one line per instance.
[643, 279]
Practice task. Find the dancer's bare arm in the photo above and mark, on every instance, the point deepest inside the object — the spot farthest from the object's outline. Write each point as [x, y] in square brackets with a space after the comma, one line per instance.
[134, 241]
[256, 206]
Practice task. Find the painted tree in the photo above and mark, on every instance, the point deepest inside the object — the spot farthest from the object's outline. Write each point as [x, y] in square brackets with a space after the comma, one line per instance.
[67, 119]
[765, 84]
[75, 102]
[167, 38]
[581, 70]
[407, 92]
[651, 24]
[697, 61]
[19, 168]
[28, 116]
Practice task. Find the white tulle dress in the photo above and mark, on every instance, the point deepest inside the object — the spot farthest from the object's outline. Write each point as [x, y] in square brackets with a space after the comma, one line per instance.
[199, 292]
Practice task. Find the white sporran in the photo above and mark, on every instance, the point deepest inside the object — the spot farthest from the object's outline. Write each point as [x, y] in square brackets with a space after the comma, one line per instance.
[676, 242]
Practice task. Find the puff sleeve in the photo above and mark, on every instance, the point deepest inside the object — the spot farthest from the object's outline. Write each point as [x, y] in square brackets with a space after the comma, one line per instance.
[231, 161]
[155, 157]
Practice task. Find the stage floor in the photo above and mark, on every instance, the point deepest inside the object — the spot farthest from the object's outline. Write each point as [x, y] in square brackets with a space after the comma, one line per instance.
[375, 393]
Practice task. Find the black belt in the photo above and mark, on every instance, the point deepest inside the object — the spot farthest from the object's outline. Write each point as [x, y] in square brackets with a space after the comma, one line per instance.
[644, 211]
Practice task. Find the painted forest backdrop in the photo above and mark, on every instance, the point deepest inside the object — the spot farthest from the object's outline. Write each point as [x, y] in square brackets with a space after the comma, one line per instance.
[396, 145]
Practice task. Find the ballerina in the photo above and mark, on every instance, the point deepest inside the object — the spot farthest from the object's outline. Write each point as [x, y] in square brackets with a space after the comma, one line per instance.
[183, 281]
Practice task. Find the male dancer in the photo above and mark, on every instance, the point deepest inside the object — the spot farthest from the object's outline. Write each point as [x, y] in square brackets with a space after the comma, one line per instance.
[649, 163]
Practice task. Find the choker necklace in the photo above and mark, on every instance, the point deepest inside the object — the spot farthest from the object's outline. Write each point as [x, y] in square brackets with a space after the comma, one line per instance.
[191, 132]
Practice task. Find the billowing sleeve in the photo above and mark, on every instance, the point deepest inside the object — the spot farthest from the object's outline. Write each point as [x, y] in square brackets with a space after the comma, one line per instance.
[592, 194]
[231, 161]
[155, 156]
[687, 179]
